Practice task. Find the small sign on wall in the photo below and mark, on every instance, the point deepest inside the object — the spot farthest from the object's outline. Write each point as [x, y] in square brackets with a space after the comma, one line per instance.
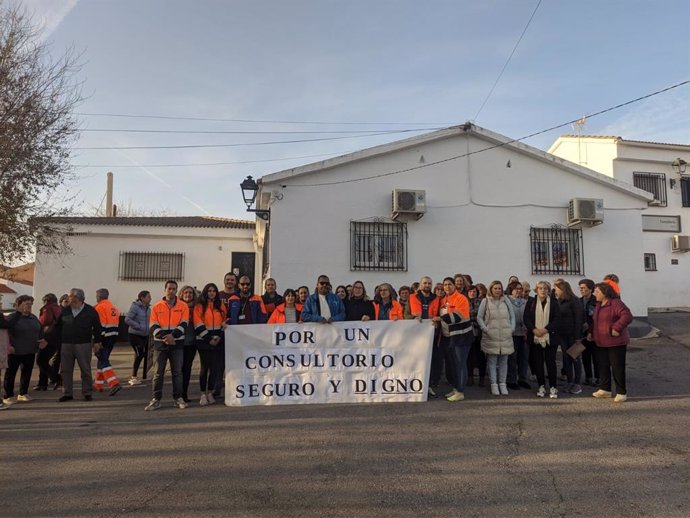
[660, 223]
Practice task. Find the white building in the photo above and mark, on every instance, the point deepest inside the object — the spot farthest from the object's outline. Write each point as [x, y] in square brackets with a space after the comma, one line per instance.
[647, 165]
[129, 254]
[485, 205]
[14, 282]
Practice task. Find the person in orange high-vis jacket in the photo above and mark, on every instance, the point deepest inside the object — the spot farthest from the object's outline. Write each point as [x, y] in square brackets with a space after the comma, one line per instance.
[109, 317]
[289, 311]
[457, 336]
[386, 306]
[169, 322]
[425, 305]
[209, 324]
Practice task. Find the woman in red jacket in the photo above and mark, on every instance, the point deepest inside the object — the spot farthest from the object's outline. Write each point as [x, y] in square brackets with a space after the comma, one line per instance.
[288, 312]
[610, 333]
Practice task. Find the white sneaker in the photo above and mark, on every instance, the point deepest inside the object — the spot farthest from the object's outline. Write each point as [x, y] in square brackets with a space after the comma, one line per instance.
[553, 393]
[154, 404]
[451, 393]
[179, 403]
[25, 398]
[134, 381]
[620, 398]
[542, 391]
[9, 401]
[602, 393]
[203, 401]
[503, 389]
[494, 389]
[211, 400]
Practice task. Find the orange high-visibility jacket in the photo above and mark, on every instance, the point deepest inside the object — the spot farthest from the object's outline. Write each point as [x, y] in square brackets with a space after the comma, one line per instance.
[396, 312]
[278, 315]
[167, 320]
[209, 323]
[416, 306]
[109, 316]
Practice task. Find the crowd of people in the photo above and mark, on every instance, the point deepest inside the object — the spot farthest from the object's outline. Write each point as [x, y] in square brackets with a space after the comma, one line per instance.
[503, 333]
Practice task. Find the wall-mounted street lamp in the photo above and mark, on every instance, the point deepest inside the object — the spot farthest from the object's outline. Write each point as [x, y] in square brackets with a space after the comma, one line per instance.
[249, 189]
[679, 166]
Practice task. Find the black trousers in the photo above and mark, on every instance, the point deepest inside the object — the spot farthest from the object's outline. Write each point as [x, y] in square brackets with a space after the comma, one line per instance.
[46, 369]
[187, 361]
[539, 355]
[140, 346]
[208, 373]
[449, 358]
[14, 363]
[477, 358]
[589, 358]
[612, 360]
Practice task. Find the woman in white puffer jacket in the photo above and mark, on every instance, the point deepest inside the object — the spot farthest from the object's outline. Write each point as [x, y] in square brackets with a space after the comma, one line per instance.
[497, 321]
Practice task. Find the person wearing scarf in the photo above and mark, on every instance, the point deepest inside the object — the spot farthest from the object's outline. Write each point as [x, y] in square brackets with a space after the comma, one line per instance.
[539, 317]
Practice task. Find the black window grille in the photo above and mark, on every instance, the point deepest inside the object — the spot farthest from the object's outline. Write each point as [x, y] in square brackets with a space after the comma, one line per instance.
[151, 266]
[265, 255]
[378, 245]
[556, 250]
[685, 191]
[650, 262]
[654, 183]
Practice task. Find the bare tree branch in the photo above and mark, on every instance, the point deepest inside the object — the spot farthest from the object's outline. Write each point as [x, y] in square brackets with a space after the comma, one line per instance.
[38, 95]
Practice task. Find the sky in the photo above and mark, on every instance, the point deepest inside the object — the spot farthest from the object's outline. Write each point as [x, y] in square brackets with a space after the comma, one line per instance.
[362, 66]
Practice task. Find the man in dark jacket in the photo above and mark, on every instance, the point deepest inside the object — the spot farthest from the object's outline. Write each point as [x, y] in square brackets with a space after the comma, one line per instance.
[79, 328]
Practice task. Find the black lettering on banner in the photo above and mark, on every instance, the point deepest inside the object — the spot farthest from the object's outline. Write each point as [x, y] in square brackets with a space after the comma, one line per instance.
[356, 334]
[335, 384]
[293, 337]
[240, 391]
[389, 386]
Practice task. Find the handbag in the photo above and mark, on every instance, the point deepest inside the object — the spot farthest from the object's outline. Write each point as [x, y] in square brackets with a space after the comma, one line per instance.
[575, 350]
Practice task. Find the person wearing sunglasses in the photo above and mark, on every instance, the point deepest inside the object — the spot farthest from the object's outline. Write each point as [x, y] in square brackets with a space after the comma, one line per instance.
[245, 307]
[323, 306]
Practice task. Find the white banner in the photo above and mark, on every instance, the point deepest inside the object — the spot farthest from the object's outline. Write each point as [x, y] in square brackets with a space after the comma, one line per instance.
[343, 362]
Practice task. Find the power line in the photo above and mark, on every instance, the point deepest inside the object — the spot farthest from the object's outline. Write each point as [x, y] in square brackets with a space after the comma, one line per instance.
[211, 132]
[208, 119]
[119, 166]
[507, 61]
[421, 166]
[195, 146]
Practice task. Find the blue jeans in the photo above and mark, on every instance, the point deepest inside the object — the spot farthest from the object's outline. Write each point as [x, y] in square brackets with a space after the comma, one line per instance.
[460, 345]
[103, 355]
[494, 360]
[175, 356]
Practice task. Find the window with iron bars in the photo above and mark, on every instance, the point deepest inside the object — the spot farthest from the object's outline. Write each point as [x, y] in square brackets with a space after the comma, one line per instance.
[654, 183]
[650, 262]
[685, 191]
[556, 250]
[378, 245]
[151, 266]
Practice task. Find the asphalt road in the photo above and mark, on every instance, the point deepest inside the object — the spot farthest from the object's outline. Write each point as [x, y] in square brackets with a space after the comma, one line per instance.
[486, 456]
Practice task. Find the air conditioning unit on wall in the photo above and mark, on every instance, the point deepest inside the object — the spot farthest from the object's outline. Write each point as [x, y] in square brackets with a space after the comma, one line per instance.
[680, 243]
[408, 202]
[586, 211]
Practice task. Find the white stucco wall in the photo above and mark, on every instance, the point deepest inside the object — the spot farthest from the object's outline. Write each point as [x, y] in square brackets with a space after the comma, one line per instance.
[669, 286]
[472, 225]
[596, 153]
[96, 255]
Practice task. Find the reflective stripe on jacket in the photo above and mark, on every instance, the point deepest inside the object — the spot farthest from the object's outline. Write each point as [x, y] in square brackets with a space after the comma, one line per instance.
[109, 317]
[166, 320]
